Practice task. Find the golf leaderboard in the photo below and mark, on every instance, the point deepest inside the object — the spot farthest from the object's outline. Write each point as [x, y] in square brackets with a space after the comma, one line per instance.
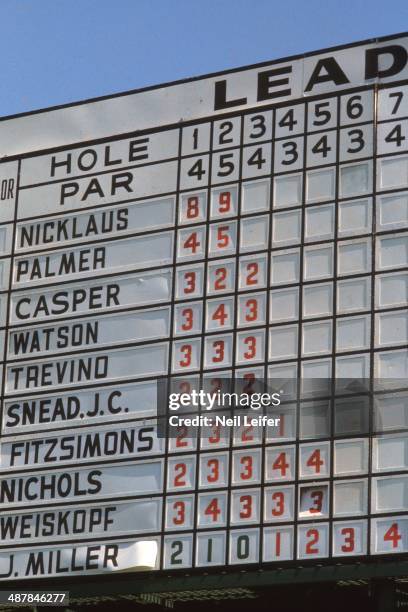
[240, 232]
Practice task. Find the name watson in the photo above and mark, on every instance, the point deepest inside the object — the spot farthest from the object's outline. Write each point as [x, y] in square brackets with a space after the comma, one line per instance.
[223, 421]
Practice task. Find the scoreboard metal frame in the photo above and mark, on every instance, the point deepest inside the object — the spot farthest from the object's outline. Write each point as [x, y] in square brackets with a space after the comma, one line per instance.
[277, 210]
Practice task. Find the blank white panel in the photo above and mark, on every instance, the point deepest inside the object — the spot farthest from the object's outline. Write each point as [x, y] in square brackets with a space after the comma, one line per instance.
[254, 233]
[351, 415]
[392, 328]
[392, 211]
[392, 172]
[288, 370]
[354, 217]
[317, 338]
[389, 494]
[356, 366]
[353, 333]
[392, 290]
[391, 411]
[320, 185]
[314, 420]
[353, 295]
[286, 228]
[355, 179]
[318, 262]
[318, 300]
[316, 369]
[350, 497]
[287, 191]
[393, 252]
[255, 197]
[284, 304]
[319, 222]
[390, 453]
[391, 364]
[285, 267]
[350, 457]
[283, 342]
[353, 257]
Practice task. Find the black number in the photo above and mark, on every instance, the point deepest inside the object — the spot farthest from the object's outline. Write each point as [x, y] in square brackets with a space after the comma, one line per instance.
[395, 135]
[399, 95]
[197, 170]
[177, 546]
[356, 136]
[290, 150]
[320, 112]
[256, 159]
[321, 146]
[225, 129]
[243, 547]
[209, 550]
[195, 138]
[354, 108]
[258, 126]
[227, 165]
[288, 120]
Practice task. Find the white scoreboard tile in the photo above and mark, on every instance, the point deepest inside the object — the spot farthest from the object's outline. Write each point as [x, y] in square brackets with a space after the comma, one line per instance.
[193, 207]
[221, 276]
[356, 107]
[212, 509]
[218, 351]
[189, 281]
[354, 256]
[353, 295]
[283, 342]
[355, 217]
[254, 233]
[285, 430]
[389, 535]
[321, 149]
[392, 173]
[179, 512]
[250, 347]
[288, 191]
[244, 546]
[288, 154]
[245, 506]
[183, 439]
[349, 538]
[322, 115]
[186, 355]
[320, 185]
[280, 463]
[247, 435]
[284, 305]
[278, 543]
[211, 548]
[392, 102]
[313, 541]
[313, 501]
[355, 179]
[390, 453]
[220, 314]
[252, 272]
[279, 503]
[255, 196]
[319, 222]
[195, 138]
[213, 470]
[187, 318]
[392, 211]
[391, 328]
[285, 267]
[226, 133]
[246, 467]
[4, 274]
[318, 262]
[224, 202]
[392, 137]
[194, 172]
[191, 243]
[314, 460]
[350, 497]
[222, 239]
[181, 473]
[286, 228]
[256, 160]
[252, 309]
[390, 412]
[350, 457]
[257, 127]
[389, 494]
[391, 290]
[178, 551]
[356, 142]
[289, 120]
[225, 166]
[314, 419]
[214, 436]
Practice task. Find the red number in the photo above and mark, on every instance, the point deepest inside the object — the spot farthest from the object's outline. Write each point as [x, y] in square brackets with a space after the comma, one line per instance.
[246, 473]
[212, 509]
[182, 432]
[186, 350]
[192, 242]
[187, 313]
[180, 508]
[218, 347]
[179, 481]
[192, 207]
[252, 269]
[246, 503]
[216, 437]
[249, 387]
[252, 306]
[250, 342]
[216, 384]
[224, 202]
[222, 237]
[221, 275]
[279, 498]
[348, 533]
[190, 279]
[315, 461]
[393, 535]
[220, 315]
[280, 464]
[313, 534]
[185, 387]
[278, 543]
[214, 466]
[247, 433]
[317, 497]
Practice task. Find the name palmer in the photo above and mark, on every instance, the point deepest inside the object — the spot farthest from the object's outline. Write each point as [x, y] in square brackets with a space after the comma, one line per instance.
[57, 264]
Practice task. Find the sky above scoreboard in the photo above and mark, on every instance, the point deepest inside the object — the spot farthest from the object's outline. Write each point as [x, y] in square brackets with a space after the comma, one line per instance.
[59, 51]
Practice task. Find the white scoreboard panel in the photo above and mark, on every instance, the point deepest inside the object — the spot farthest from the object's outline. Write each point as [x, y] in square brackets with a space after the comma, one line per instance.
[248, 224]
